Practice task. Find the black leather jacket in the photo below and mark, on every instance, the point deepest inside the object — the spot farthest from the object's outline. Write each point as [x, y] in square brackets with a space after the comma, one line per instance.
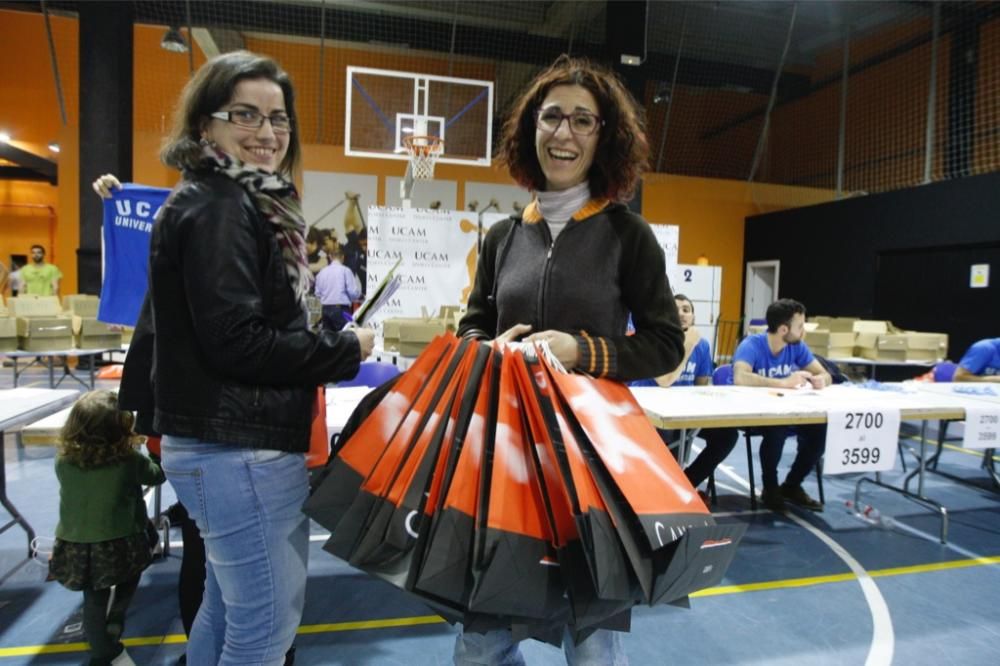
[222, 351]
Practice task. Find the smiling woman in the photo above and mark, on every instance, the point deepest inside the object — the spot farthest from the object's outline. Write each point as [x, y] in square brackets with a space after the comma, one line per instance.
[573, 266]
[225, 326]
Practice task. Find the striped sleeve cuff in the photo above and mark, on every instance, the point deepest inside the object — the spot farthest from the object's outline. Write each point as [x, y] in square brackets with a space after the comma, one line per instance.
[598, 356]
[476, 334]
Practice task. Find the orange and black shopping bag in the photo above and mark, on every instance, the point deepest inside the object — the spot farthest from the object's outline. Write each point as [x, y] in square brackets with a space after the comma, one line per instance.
[517, 572]
[357, 520]
[653, 506]
[359, 450]
[319, 438]
[446, 569]
[402, 489]
[597, 576]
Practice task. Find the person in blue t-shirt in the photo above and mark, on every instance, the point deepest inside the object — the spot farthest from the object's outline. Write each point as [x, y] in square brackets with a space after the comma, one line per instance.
[981, 363]
[695, 370]
[780, 359]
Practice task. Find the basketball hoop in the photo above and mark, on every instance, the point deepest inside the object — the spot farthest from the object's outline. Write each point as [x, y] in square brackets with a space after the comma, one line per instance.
[424, 151]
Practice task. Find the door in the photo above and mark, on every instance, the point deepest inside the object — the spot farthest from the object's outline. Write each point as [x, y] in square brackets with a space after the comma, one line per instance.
[761, 288]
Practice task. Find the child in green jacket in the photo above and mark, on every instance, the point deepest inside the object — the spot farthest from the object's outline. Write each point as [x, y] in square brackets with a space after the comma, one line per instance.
[102, 544]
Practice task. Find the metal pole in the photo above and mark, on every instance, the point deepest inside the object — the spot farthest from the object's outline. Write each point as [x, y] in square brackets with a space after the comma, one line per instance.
[673, 87]
[55, 64]
[762, 139]
[932, 96]
[842, 134]
[187, 6]
[319, 92]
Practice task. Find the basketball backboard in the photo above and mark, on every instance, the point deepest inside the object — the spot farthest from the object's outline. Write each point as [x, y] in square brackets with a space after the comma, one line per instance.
[384, 106]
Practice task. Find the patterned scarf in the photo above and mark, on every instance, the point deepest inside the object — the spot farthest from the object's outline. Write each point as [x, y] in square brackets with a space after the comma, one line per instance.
[278, 201]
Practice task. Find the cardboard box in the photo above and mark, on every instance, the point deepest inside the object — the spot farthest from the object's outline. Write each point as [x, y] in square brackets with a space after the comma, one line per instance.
[390, 331]
[836, 324]
[873, 326]
[446, 311]
[45, 333]
[83, 305]
[926, 346]
[834, 353]
[821, 338]
[887, 347]
[88, 333]
[415, 335]
[8, 334]
[35, 306]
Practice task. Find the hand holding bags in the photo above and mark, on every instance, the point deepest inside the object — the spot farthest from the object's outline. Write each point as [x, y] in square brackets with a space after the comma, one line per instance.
[505, 492]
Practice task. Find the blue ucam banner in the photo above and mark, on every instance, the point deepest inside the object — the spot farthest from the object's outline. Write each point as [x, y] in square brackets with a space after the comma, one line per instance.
[128, 227]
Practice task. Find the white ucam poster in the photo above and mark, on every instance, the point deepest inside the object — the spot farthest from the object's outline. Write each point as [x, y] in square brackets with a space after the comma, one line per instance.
[438, 253]
[668, 236]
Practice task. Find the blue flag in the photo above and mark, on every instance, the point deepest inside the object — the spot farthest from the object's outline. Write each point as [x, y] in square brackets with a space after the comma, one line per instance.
[128, 228]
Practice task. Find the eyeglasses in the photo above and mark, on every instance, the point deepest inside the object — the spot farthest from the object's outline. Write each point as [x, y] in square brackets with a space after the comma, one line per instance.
[581, 123]
[281, 123]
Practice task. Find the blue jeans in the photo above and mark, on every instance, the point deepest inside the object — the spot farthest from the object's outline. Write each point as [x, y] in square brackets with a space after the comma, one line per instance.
[497, 648]
[247, 504]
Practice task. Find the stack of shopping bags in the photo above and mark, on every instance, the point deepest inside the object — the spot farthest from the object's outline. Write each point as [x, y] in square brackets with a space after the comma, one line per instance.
[506, 492]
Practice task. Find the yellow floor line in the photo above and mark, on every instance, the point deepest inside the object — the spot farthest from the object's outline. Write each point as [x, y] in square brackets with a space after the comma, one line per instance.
[951, 447]
[810, 581]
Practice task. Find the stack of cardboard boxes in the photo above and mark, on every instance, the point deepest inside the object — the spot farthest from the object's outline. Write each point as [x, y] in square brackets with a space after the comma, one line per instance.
[88, 333]
[42, 324]
[841, 337]
[8, 328]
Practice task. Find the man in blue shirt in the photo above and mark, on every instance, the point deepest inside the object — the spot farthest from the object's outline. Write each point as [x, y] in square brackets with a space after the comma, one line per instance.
[780, 359]
[336, 289]
[981, 363]
[695, 370]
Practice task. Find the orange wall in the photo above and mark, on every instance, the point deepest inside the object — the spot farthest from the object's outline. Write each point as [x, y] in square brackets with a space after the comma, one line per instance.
[29, 112]
[710, 213]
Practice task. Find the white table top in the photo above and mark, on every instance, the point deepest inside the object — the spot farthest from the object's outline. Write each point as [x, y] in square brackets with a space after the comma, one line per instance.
[980, 391]
[20, 353]
[713, 406]
[21, 406]
[340, 404]
[857, 360]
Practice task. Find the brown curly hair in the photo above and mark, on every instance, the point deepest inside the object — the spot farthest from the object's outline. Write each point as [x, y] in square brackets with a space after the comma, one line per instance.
[97, 433]
[622, 152]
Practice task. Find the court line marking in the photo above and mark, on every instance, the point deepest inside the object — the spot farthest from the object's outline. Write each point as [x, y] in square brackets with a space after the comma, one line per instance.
[388, 623]
[883, 637]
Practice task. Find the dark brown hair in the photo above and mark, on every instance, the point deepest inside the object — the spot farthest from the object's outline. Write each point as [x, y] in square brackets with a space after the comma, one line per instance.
[780, 313]
[96, 432]
[211, 88]
[622, 152]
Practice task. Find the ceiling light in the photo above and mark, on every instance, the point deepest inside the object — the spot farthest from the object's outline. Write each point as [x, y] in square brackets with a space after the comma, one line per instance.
[174, 41]
[4, 137]
[54, 147]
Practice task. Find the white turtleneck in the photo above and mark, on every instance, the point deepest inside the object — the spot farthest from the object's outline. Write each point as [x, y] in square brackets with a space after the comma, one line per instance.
[558, 207]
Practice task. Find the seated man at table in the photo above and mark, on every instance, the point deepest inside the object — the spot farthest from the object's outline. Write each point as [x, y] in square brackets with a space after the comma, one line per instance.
[780, 359]
[981, 363]
[695, 370]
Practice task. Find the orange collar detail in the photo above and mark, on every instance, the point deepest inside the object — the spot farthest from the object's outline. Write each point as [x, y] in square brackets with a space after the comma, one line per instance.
[532, 215]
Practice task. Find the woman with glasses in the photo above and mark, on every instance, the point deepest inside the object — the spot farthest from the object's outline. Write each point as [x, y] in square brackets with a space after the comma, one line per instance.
[223, 359]
[573, 266]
